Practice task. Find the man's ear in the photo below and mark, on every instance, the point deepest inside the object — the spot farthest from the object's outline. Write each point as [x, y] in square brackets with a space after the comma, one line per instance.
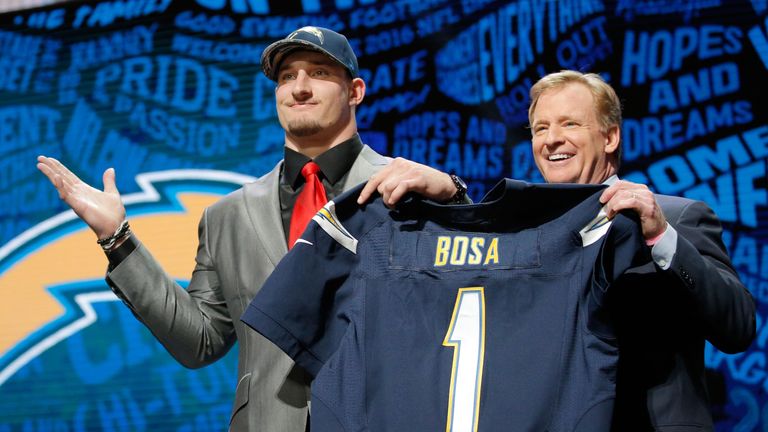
[612, 140]
[356, 91]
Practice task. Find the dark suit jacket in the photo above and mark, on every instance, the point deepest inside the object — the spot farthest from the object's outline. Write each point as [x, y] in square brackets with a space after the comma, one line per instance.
[663, 318]
[241, 240]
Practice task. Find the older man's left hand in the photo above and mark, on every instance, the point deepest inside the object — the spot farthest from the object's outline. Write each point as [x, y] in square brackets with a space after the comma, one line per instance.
[625, 195]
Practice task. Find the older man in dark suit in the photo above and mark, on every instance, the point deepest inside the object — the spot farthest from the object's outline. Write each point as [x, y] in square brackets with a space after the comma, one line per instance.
[664, 311]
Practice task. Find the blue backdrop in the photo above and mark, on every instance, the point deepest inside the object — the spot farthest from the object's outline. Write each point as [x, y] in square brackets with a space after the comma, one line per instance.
[155, 85]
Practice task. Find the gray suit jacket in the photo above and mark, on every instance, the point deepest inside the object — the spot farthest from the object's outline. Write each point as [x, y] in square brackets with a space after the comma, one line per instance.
[663, 318]
[241, 241]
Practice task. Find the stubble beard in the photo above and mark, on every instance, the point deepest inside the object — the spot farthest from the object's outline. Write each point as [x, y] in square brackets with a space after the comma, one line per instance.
[304, 127]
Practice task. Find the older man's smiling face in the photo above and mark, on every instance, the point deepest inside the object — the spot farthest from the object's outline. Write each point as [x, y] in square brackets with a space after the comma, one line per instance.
[569, 145]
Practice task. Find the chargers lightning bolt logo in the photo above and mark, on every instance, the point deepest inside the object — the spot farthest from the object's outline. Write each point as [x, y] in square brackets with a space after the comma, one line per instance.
[43, 270]
[596, 228]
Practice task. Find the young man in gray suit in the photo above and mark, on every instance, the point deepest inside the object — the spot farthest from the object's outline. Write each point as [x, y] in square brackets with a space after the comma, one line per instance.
[663, 311]
[244, 235]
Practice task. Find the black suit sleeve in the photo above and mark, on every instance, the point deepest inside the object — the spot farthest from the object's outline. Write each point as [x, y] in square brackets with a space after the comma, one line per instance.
[702, 267]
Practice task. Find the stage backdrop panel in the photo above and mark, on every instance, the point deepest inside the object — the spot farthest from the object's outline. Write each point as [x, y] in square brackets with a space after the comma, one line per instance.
[170, 93]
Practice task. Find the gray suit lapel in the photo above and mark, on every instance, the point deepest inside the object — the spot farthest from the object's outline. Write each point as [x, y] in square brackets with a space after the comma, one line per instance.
[262, 202]
[367, 163]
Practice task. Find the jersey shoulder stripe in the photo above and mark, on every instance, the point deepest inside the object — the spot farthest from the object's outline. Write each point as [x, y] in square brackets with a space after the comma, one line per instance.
[595, 229]
[327, 220]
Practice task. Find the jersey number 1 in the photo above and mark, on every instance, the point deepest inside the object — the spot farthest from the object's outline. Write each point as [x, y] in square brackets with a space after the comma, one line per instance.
[466, 334]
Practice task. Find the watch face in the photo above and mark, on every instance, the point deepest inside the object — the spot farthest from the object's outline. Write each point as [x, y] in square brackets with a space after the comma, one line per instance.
[459, 182]
[461, 188]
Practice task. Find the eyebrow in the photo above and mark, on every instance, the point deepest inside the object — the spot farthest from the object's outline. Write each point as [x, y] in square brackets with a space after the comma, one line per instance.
[322, 62]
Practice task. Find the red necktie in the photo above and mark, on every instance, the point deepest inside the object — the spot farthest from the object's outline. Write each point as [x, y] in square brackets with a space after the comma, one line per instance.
[310, 200]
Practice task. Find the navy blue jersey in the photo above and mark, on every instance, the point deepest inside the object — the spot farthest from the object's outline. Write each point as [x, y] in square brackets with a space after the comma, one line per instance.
[460, 318]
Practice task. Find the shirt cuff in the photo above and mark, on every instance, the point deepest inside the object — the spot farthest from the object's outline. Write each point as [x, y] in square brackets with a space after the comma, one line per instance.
[664, 250]
[121, 252]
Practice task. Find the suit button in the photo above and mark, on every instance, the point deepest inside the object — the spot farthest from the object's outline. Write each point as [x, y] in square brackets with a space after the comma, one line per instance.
[687, 278]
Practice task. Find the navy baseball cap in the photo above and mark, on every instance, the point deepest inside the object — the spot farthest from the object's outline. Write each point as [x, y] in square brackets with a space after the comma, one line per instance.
[319, 39]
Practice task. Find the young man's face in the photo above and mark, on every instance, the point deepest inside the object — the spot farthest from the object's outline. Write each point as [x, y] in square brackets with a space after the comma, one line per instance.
[313, 95]
[569, 146]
